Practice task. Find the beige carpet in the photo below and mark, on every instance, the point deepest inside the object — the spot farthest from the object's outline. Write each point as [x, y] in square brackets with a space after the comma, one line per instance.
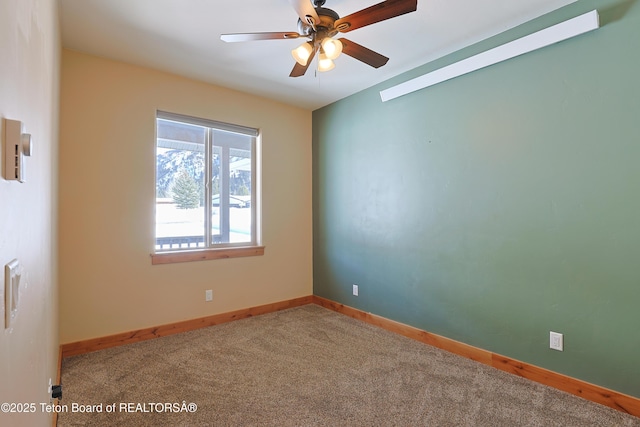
[307, 366]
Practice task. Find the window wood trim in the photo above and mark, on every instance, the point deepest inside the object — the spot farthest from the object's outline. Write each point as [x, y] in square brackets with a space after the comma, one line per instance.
[206, 254]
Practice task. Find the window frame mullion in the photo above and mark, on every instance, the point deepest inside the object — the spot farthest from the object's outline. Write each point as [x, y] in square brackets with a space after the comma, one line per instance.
[208, 197]
[225, 227]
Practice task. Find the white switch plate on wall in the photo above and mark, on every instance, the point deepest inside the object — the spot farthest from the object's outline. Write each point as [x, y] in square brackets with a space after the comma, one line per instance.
[12, 278]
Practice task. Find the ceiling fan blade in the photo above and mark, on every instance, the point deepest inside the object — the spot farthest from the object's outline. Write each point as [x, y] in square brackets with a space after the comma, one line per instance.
[363, 54]
[306, 11]
[299, 70]
[247, 37]
[376, 13]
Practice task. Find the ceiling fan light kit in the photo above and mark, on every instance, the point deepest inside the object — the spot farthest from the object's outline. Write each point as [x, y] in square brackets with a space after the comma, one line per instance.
[320, 25]
[325, 63]
[302, 53]
[332, 48]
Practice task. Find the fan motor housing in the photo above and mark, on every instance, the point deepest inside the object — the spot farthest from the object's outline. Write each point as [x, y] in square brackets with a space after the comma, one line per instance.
[327, 19]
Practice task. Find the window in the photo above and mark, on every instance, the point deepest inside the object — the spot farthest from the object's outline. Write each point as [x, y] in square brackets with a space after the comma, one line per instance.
[205, 184]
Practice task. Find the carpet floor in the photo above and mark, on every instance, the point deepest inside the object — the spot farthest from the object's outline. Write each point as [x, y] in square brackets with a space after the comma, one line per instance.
[306, 366]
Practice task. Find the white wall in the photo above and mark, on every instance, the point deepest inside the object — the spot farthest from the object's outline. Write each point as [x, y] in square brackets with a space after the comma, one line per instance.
[29, 81]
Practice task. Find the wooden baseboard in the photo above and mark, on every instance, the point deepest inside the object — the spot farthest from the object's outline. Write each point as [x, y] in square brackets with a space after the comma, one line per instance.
[592, 392]
[86, 346]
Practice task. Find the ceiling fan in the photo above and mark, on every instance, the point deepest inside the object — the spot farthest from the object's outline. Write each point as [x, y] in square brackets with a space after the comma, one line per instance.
[320, 25]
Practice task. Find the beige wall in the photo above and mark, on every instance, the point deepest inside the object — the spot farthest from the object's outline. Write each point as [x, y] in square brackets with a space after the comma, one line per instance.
[107, 190]
[29, 70]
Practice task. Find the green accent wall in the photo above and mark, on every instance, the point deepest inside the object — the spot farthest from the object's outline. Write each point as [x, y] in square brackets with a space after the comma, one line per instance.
[497, 206]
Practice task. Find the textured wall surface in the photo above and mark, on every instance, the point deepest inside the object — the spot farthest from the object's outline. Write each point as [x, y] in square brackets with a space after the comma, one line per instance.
[498, 206]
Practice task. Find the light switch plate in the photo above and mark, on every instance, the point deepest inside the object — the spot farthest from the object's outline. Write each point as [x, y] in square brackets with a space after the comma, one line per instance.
[11, 291]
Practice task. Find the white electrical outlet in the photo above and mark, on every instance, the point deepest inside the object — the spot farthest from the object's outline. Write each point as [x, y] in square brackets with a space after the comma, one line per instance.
[556, 341]
[208, 295]
[355, 290]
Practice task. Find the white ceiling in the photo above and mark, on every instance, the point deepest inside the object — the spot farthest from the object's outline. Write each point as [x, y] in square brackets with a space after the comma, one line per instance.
[183, 37]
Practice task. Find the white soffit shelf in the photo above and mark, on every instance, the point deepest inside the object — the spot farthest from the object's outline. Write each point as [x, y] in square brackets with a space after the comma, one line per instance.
[559, 32]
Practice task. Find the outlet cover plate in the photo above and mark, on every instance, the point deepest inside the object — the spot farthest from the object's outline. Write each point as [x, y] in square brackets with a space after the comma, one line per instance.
[556, 341]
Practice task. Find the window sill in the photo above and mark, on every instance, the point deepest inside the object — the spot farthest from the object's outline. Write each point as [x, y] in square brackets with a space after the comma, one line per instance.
[206, 254]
